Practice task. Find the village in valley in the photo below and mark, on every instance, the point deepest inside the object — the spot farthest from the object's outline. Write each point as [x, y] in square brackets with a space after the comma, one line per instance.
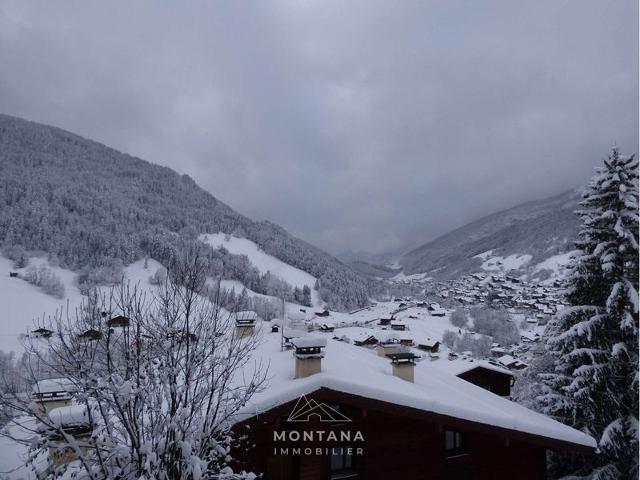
[319, 240]
[410, 337]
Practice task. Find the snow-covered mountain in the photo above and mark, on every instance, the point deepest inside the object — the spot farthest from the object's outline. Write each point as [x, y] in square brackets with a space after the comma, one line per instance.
[94, 210]
[533, 238]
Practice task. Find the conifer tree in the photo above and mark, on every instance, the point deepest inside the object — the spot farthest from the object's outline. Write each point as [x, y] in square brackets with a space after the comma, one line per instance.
[594, 384]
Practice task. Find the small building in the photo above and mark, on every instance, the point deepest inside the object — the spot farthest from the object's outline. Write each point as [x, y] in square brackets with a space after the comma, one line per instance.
[365, 339]
[91, 335]
[497, 352]
[13, 274]
[324, 313]
[492, 378]
[118, 322]
[327, 327]
[42, 333]
[68, 420]
[511, 363]
[529, 336]
[406, 339]
[398, 325]
[385, 320]
[52, 393]
[429, 345]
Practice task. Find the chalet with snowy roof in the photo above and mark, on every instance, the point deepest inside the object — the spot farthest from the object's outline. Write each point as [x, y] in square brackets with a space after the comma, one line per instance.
[91, 334]
[42, 333]
[68, 420]
[119, 321]
[489, 375]
[364, 339]
[406, 339]
[398, 325]
[429, 345]
[362, 416]
[53, 393]
[511, 363]
[327, 327]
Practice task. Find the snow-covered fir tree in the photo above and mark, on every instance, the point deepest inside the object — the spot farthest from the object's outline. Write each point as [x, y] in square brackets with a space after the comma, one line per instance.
[594, 383]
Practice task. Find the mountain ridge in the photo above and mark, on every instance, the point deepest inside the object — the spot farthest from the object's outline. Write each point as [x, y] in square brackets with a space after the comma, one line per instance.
[539, 228]
[89, 205]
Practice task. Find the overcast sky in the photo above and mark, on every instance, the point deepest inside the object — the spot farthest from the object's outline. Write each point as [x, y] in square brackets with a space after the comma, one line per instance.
[357, 125]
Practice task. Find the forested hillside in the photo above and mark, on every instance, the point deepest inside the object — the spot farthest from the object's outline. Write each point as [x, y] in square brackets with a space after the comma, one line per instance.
[539, 229]
[92, 208]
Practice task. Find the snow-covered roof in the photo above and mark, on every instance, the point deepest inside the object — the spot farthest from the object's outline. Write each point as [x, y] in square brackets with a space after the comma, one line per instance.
[428, 342]
[72, 415]
[433, 391]
[53, 385]
[309, 341]
[507, 360]
[463, 365]
[247, 315]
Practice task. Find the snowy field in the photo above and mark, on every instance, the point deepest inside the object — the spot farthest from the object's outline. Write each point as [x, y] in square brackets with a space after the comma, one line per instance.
[23, 303]
[263, 261]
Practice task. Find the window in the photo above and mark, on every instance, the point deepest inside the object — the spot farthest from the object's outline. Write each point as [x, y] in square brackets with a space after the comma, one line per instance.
[453, 443]
[342, 463]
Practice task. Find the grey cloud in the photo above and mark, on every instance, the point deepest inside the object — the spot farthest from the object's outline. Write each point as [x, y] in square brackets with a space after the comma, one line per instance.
[356, 125]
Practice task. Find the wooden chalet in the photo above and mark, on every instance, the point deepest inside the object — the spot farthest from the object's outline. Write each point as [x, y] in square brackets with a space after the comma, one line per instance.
[429, 345]
[365, 339]
[118, 322]
[327, 327]
[42, 333]
[495, 380]
[91, 334]
[398, 325]
[359, 423]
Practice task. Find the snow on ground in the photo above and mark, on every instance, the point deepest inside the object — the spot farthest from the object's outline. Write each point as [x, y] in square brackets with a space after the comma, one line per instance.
[263, 261]
[23, 303]
[401, 277]
[557, 264]
[496, 263]
[13, 455]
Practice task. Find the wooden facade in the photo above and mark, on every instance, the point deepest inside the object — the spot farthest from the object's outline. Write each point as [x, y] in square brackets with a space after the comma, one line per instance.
[492, 380]
[398, 443]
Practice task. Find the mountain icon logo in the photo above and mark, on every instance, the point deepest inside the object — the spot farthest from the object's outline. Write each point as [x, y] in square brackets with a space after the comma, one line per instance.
[306, 410]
